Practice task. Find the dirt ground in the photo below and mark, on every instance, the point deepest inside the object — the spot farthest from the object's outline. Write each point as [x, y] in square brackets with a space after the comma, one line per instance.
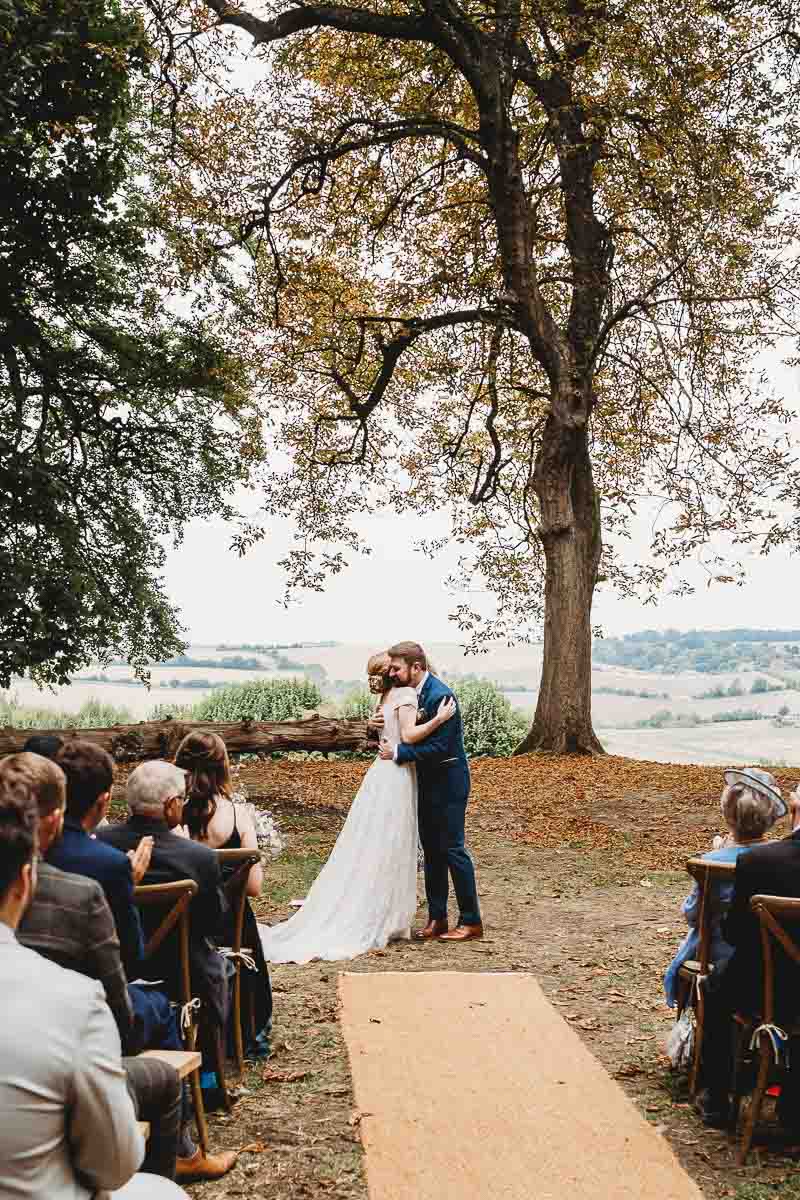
[580, 881]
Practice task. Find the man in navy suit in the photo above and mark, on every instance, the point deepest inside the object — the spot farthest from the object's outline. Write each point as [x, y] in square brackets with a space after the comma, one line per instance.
[443, 784]
[89, 772]
[90, 776]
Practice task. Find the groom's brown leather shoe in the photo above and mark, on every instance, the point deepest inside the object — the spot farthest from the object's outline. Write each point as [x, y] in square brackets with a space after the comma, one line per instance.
[433, 929]
[462, 933]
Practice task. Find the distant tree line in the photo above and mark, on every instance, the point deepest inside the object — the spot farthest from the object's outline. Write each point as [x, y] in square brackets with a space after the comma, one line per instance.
[642, 694]
[671, 652]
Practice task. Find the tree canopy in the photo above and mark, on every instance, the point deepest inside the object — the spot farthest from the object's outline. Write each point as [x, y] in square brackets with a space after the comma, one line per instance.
[519, 260]
[119, 419]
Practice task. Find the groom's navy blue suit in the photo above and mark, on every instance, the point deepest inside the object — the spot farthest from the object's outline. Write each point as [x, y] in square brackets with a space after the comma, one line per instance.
[443, 785]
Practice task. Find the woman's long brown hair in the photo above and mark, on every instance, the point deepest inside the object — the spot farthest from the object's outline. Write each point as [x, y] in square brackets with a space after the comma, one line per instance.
[204, 757]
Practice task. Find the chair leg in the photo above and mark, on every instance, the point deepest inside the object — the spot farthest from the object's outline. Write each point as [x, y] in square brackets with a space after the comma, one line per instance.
[737, 1091]
[199, 1110]
[238, 1040]
[756, 1100]
[218, 1055]
[697, 1051]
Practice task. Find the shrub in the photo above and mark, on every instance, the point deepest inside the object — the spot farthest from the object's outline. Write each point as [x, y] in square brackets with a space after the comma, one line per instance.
[492, 726]
[760, 685]
[739, 714]
[259, 700]
[94, 714]
[358, 704]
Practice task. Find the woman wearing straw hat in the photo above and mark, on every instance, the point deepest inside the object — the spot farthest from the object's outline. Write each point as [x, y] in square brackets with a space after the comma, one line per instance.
[751, 803]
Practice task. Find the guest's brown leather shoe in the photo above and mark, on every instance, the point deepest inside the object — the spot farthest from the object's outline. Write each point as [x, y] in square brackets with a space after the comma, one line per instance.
[462, 933]
[433, 929]
[205, 1166]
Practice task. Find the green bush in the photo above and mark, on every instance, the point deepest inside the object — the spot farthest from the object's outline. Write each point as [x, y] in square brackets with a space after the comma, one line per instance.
[358, 704]
[94, 714]
[492, 726]
[259, 700]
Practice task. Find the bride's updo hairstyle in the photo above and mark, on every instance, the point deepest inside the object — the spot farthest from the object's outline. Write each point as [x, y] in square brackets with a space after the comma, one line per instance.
[204, 758]
[378, 673]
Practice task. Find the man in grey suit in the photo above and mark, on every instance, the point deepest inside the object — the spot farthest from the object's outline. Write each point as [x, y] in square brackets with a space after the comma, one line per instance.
[69, 920]
[67, 1123]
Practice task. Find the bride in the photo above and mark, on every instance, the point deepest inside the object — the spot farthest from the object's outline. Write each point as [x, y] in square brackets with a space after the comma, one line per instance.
[366, 894]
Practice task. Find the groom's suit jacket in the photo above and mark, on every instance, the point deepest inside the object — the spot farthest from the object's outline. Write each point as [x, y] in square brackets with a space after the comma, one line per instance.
[442, 768]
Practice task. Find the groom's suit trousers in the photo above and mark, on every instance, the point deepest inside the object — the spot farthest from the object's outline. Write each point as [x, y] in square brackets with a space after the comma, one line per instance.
[443, 794]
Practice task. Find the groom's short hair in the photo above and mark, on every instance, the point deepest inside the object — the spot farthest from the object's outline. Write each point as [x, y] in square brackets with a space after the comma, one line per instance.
[410, 652]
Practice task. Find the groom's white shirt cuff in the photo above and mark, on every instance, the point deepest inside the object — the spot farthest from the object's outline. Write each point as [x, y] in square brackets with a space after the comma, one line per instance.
[417, 689]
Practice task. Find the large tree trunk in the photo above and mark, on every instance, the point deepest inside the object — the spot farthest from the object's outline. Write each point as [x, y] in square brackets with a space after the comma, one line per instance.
[159, 739]
[570, 533]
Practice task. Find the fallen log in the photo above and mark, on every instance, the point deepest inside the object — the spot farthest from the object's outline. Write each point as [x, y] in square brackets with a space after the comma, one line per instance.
[160, 739]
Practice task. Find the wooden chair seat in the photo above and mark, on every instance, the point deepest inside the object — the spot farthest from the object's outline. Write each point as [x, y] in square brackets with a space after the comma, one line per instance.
[184, 1061]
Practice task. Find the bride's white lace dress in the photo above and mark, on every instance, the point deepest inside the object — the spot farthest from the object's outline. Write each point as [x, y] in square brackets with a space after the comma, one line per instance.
[366, 894]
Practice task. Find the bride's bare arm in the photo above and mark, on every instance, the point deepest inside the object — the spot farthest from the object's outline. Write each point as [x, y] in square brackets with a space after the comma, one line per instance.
[411, 733]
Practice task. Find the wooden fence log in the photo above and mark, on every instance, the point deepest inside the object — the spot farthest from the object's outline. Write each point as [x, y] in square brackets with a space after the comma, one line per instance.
[159, 739]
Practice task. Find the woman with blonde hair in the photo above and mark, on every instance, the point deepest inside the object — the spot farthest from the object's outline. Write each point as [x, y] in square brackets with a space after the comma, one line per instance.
[751, 803]
[366, 893]
[213, 816]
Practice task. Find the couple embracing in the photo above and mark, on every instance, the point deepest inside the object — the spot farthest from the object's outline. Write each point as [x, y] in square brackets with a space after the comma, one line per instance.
[366, 894]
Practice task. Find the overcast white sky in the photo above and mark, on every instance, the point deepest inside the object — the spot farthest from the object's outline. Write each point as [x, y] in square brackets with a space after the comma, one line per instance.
[398, 593]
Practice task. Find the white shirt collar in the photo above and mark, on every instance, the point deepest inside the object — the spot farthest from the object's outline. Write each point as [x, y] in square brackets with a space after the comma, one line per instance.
[422, 682]
[7, 934]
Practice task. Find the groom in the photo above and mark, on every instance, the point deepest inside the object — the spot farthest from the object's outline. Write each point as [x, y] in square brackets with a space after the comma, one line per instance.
[443, 784]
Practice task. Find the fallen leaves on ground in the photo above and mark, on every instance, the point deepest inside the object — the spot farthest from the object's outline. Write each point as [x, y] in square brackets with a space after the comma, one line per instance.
[649, 815]
[269, 1075]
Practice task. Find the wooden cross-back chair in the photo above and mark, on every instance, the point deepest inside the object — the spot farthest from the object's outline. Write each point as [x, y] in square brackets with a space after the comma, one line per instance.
[706, 874]
[236, 864]
[761, 1033]
[175, 899]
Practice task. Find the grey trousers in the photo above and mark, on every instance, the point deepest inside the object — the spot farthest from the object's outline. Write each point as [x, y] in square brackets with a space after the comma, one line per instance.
[157, 1095]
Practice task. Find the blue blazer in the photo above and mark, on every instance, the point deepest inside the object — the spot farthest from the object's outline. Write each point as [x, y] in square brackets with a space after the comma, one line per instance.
[80, 854]
[442, 754]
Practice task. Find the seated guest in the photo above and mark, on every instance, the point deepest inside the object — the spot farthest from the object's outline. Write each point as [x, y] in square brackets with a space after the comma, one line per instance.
[156, 795]
[67, 1120]
[90, 776]
[750, 810]
[69, 920]
[772, 869]
[214, 819]
[45, 744]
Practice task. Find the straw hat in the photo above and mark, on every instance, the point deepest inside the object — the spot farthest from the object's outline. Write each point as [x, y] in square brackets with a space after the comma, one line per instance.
[759, 781]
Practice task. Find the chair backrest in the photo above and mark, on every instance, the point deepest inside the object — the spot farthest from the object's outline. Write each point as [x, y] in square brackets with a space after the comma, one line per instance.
[175, 899]
[706, 874]
[238, 862]
[776, 916]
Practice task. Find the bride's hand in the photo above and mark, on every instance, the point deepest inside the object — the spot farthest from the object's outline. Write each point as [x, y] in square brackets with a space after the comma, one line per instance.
[446, 710]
